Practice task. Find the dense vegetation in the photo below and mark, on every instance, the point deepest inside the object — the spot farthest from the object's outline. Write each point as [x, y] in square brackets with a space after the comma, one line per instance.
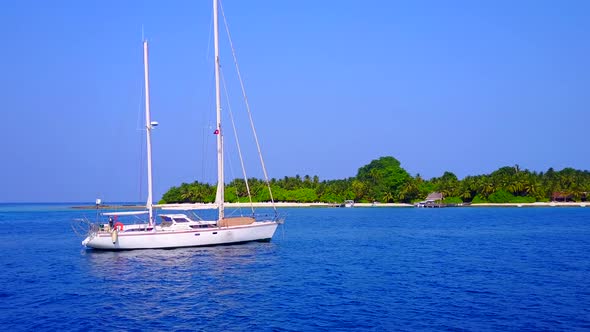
[384, 180]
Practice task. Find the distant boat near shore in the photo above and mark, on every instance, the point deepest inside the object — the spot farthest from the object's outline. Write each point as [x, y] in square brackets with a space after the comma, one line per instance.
[348, 203]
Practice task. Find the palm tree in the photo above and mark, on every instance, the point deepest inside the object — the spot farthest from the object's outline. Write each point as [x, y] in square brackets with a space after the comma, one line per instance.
[465, 191]
[359, 188]
[408, 191]
[387, 197]
[532, 186]
[577, 192]
[185, 192]
[316, 180]
[418, 178]
[486, 187]
[468, 188]
[515, 185]
[376, 176]
[307, 181]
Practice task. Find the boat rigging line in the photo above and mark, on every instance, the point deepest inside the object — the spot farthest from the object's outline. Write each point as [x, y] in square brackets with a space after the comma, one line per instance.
[267, 181]
[231, 116]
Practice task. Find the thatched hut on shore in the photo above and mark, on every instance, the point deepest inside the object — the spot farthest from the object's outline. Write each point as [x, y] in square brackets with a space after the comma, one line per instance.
[435, 197]
[562, 197]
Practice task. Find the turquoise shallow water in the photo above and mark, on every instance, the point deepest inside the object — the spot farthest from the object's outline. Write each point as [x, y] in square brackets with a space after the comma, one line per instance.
[370, 269]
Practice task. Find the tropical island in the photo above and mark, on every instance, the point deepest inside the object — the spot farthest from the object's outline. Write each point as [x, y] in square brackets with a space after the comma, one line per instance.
[384, 180]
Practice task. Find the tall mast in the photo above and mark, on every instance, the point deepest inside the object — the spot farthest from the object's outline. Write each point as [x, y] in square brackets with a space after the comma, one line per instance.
[148, 127]
[218, 131]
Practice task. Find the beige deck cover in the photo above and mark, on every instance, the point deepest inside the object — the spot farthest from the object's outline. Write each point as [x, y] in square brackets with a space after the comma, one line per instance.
[236, 221]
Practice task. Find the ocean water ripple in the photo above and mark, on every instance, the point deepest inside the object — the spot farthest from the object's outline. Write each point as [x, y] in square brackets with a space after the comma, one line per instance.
[371, 269]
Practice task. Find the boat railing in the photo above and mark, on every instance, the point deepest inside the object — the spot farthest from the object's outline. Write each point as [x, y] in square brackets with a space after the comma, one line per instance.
[83, 227]
[279, 218]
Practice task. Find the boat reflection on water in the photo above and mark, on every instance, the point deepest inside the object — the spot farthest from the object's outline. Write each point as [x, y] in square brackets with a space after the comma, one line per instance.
[179, 263]
[199, 282]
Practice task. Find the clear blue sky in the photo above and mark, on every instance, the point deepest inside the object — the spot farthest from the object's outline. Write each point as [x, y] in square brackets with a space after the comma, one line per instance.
[460, 86]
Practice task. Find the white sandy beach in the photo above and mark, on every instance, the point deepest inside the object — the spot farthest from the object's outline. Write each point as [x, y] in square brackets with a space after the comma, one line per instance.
[377, 205]
[202, 206]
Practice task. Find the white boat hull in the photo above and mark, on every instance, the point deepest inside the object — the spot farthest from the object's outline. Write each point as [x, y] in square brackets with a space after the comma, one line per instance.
[258, 231]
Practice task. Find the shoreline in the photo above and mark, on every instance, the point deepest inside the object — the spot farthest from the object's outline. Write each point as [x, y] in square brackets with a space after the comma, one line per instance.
[324, 205]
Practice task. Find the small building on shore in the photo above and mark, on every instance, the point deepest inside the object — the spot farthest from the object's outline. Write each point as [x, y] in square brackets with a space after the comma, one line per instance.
[435, 197]
[433, 200]
[562, 197]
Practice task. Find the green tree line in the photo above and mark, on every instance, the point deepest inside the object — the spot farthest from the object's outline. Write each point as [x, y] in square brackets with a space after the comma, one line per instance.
[384, 180]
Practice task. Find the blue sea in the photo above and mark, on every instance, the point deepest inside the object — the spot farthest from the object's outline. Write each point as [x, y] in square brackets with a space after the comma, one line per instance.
[326, 269]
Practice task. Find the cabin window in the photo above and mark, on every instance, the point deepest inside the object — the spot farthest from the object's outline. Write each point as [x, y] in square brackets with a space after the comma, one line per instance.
[180, 220]
[166, 221]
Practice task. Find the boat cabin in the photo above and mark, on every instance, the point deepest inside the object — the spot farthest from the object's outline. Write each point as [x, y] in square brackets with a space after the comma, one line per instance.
[178, 220]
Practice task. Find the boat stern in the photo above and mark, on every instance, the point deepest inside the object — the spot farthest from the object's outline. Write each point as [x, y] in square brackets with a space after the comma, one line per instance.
[86, 240]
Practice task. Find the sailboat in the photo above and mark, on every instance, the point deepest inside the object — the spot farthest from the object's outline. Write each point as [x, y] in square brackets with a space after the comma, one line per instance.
[178, 229]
